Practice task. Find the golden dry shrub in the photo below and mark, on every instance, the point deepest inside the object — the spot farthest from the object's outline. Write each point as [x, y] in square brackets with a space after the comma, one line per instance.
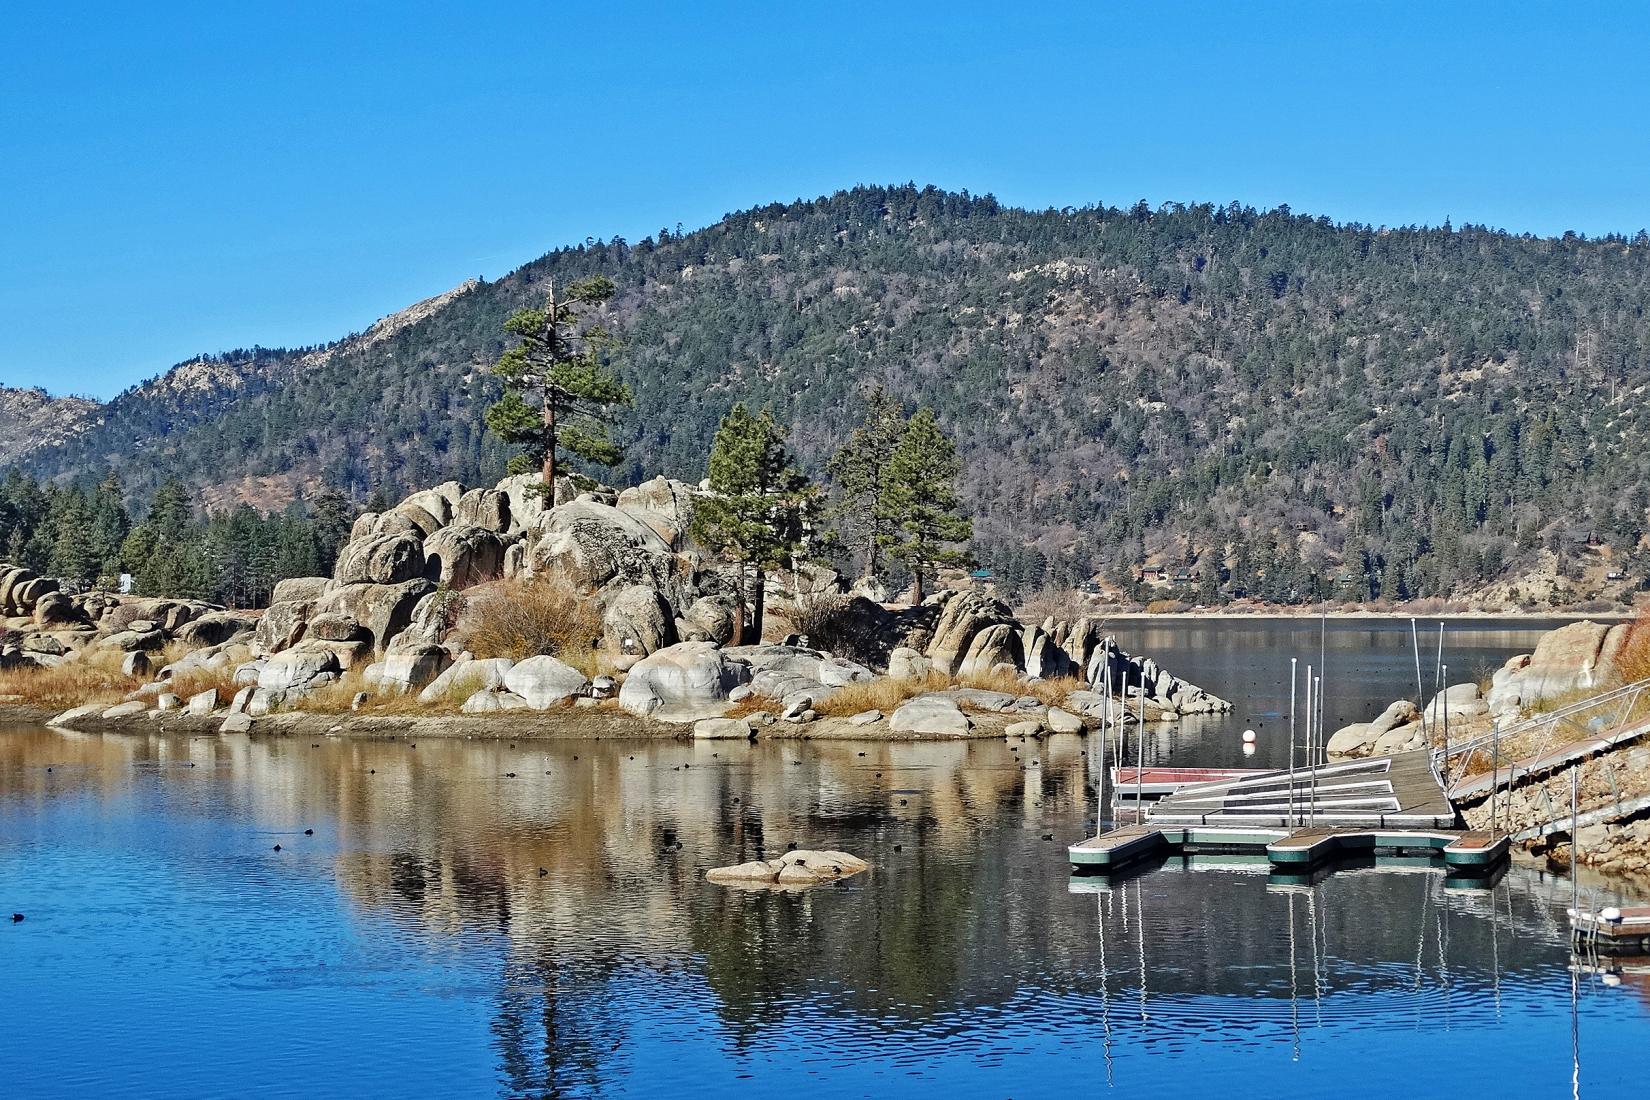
[1633, 662]
[882, 694]
[521, 618]
[88, 678]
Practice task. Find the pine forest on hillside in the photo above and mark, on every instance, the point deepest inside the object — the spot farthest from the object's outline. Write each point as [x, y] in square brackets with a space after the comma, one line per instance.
[1265, 404]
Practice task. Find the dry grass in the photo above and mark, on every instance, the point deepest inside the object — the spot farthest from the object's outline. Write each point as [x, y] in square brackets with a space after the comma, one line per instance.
[89, 678]
[525, 618]
[1049, 692]
[886, 695]
[193, 681]
[882, 694]
[1633, 662]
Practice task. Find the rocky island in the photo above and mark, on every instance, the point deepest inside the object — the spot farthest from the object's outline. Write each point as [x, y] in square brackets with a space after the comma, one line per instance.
[406, 629]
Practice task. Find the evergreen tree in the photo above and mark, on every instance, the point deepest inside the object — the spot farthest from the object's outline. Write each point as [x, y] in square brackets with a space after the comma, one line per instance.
[557, 390]
[74, 557]
[921, 504]
[109, 526]
[331, 517]
[760, 504]
[859, 473]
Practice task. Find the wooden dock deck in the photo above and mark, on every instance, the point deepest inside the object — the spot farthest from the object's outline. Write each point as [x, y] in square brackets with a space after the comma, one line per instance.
[1385, 791]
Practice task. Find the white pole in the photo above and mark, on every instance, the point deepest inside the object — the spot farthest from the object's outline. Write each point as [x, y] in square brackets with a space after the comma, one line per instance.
[1140, 751]
[1311, 808]
[1293, 661]
[1575, 847]
[1420, 688]
[1316, 745]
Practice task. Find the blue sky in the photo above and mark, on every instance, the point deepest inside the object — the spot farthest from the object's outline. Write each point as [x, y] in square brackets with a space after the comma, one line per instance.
[179, 178]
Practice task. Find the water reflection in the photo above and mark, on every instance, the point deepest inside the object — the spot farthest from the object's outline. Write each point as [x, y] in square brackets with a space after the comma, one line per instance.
[550, 933]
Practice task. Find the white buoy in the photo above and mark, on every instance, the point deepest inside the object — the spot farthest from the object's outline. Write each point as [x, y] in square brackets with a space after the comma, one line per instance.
[1610, 914]
[1248, 750]
[1611, 980]
[1248, 737]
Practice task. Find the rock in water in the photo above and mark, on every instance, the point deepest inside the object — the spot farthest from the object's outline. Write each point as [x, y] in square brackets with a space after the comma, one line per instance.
[797, 869]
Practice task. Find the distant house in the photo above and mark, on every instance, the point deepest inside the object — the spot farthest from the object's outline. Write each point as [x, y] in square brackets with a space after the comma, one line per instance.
[1151, 574]
[1184, 576]
[1615, 575]
[981, 576]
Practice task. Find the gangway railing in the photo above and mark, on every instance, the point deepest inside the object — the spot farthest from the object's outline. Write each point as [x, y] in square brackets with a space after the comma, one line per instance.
[1593, 716]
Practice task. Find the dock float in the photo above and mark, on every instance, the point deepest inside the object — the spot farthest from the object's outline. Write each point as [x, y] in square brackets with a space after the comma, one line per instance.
[1611, 930]
[1293, 851]
[1462, 852]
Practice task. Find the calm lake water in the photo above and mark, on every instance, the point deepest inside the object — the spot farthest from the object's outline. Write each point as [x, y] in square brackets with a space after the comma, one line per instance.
[449, 930]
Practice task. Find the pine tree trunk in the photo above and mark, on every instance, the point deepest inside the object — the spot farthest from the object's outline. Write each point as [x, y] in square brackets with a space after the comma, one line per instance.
[758, 602]
[549, 452]
[916, 586]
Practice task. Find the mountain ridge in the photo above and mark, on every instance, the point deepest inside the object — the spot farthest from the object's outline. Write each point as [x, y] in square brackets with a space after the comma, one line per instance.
[1274, 394]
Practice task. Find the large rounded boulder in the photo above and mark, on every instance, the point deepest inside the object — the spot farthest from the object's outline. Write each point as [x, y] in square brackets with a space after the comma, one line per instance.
[383, 610]
[596, 546]
[382, 559]
[463, 556]
[682, 683]
[638, 622]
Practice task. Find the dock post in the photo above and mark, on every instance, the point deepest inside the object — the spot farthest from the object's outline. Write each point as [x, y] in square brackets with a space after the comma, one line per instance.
[1420, 688]
[1311, 802]
[1140, 752]
[1317, 745]
[1446, 709]
[1575, 842]
[1495, 768]
[1293, 661]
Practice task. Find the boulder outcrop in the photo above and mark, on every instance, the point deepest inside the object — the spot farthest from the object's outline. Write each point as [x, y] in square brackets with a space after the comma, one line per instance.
[682, 683]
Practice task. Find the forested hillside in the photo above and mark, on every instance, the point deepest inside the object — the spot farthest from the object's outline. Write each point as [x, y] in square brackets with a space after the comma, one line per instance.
[1284, 406]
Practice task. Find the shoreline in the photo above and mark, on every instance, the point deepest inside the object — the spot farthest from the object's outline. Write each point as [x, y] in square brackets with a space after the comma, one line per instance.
[1469, 616]
[568, 725]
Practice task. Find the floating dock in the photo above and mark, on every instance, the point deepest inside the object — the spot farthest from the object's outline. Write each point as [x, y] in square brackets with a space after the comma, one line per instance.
[1382, 808]
[1291, 851]
[1611, 930]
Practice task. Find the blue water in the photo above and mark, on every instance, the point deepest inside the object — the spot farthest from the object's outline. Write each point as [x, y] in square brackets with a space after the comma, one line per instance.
[412, 946]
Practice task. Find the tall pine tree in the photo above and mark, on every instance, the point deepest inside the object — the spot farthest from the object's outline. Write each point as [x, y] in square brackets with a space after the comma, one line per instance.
[921, 505]
[759, 506]
[859, 473]
[557, 388]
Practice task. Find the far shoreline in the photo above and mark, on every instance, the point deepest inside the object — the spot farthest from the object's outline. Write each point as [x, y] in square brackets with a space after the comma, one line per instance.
[1533, 616]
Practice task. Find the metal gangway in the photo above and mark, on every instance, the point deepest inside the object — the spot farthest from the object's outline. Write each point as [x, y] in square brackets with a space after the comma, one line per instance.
[1608, 713]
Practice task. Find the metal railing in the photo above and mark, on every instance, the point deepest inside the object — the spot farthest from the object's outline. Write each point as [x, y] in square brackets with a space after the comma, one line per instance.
[1594, 716]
